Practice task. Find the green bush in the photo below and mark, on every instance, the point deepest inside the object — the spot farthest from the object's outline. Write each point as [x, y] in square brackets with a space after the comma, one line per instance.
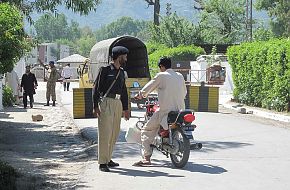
[154, 46]
[180, 53]
[261, 73]
[8, 98]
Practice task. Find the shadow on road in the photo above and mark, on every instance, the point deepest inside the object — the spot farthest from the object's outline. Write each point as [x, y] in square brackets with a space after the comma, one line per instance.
[5, 115]
[153, 171]
[204, 168]
[213, 146]
[15, 109]
[138, 172]
[32, 148]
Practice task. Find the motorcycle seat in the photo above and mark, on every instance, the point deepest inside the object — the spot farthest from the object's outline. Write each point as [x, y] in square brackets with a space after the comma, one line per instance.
[173, 115]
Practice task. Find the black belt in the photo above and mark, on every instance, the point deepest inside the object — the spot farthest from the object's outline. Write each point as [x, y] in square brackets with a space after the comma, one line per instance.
[114, 96]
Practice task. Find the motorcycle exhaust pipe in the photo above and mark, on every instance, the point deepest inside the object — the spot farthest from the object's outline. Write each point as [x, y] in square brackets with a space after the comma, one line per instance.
[196, 146]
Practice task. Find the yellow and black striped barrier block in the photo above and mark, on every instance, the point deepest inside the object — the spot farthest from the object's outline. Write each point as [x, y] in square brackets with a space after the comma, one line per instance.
[82, 103]
[202, 98]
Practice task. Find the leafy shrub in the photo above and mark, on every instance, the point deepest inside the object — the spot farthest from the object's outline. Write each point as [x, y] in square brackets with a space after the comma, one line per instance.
[178, 53]
[154, 46]
[8, 98]
[261, 73]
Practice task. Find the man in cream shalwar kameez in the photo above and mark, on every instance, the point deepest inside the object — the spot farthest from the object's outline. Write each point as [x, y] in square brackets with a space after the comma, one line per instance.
[171, 94]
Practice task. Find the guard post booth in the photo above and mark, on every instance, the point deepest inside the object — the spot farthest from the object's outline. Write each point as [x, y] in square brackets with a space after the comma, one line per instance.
[137, 70]
[203, 88]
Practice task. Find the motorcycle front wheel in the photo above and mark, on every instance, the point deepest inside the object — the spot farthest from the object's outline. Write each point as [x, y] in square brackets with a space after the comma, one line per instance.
[180, 159]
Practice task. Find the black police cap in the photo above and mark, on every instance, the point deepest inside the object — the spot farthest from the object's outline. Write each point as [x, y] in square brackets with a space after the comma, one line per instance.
[119, 50]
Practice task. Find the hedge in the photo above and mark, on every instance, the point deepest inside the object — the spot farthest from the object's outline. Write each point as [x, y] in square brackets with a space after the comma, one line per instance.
[180, 53]
[261, 73]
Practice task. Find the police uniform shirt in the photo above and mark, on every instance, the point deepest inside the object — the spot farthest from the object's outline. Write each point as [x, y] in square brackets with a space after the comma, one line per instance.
[104, 80]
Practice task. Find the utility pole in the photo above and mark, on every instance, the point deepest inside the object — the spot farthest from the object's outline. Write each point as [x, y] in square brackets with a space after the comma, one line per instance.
[168, 9]
[156, 5]
[249, 20]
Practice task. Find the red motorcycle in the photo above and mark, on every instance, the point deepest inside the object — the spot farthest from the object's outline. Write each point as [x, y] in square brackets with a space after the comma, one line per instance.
[174, 142]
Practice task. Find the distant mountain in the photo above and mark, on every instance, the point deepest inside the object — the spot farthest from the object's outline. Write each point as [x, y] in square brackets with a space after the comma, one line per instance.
[110, 10]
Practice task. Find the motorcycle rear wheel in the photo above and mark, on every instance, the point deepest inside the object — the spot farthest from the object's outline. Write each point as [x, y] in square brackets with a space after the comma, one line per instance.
[180, 159]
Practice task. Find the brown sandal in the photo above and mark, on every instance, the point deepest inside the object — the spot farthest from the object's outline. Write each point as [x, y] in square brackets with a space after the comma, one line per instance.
[142, 163]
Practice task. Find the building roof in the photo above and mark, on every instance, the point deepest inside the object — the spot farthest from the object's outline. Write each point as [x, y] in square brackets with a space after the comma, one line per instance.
[75, 58]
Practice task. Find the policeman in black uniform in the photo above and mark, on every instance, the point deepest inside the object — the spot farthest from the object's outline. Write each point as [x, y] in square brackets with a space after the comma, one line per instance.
[110, 99]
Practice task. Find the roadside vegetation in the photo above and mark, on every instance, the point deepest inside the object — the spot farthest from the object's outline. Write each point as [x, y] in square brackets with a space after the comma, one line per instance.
[261, 73]
[219, 22]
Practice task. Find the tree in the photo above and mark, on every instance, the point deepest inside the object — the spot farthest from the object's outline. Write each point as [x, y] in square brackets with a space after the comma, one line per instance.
[85, 45]
[174, 31]
[279, 11]
[81, 45]
[262, 34]
[222, 21]
[86, 31]
[13, 40]
[50, 28]
[74, 31]
[156, 5]
[29, 6]
[122, 26]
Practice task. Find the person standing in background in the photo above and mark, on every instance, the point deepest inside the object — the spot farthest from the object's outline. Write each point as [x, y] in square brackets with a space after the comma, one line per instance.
[66, 74]
[51, 83]
[12, 80]
[29, 84]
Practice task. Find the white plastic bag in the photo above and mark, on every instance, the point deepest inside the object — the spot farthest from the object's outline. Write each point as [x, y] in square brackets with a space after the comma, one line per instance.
[133, 134]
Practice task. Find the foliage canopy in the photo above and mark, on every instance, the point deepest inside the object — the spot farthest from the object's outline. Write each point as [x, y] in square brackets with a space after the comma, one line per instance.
[13, 40]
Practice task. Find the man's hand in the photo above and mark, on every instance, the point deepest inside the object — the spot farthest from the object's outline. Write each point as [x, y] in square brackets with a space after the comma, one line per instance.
[97, 112]
[127, 115]
[138, 96]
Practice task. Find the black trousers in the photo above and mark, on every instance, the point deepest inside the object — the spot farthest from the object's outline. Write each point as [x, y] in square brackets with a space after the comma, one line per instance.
[66, 85]
[30, 99]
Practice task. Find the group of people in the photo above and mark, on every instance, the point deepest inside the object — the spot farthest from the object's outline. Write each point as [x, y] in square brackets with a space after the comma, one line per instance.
[29, 83]
[111, 99]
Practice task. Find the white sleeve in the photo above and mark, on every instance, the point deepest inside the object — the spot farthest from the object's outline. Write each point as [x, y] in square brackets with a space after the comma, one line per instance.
[151, 85]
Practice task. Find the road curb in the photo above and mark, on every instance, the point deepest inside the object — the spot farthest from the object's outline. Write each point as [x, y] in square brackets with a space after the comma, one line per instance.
[260, 113]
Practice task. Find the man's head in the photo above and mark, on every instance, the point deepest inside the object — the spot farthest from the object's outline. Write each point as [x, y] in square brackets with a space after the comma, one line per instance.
[51, 63]
[164, 63]
[27, 69]
[120, 53]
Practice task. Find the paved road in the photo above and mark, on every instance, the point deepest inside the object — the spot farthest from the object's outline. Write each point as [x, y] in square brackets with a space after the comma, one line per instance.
[240, 152]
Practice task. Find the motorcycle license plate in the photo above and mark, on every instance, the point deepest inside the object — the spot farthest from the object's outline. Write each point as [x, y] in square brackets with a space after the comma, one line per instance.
[189, 127]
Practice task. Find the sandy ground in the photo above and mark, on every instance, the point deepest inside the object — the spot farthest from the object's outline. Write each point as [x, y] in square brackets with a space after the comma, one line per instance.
[48, 154]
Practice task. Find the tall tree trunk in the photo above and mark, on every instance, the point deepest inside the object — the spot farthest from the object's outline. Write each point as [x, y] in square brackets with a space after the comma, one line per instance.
[156, 12]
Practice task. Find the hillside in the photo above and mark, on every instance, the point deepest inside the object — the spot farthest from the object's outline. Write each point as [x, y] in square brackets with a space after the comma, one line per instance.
[110, 10]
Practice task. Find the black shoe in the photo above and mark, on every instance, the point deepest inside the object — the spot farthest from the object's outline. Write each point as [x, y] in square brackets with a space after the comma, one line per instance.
[53, 103]
[31, 105]
[47, 103]
[104, 168]
[113, 164]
